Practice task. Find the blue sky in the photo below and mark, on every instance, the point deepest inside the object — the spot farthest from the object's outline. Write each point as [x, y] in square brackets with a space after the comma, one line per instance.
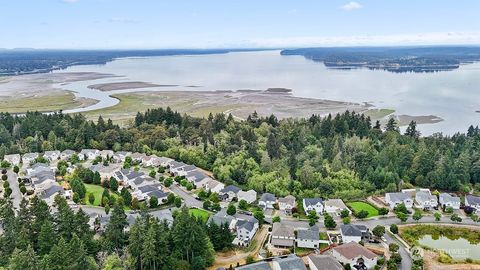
[235, 23]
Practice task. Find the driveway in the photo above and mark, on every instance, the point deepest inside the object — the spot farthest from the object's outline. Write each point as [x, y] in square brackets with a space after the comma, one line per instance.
[188, 199]
[16, 195]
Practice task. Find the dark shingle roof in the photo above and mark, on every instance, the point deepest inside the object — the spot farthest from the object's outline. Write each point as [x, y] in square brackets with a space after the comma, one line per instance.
[47, 193]
[325, 262]
[266, 197]
[352, 230]
[309, 234]
[230, 188]
[312, 201]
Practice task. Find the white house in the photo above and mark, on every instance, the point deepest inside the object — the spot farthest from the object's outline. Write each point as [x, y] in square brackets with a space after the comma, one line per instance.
[249, 196]
[246, 230]
[29, 158]
[308, 238]
[313, 204]
[229, 192]
[425, 200]
[356, 255]
[183, 171]
[214, 186]
[354, 233]
[13, 159]
[447, 200]
[106, 154]
[121, 156]
[267, 200]
[323, 262]
[198, 178]
[473, 201]
[335, 206]
[175, 166]
[52, 155]
[67, 154]
[396, 198]
[89, 154]
[43, 180]
[286, 204]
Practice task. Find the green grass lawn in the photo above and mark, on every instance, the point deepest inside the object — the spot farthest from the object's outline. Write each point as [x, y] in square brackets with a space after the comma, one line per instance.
[199, 213]
[97, 192]
[359, 206]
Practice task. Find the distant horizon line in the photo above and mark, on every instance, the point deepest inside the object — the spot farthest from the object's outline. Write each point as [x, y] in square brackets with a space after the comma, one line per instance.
[237, 48]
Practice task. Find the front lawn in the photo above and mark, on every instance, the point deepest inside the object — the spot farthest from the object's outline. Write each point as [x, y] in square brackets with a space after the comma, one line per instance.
[199, 213]
[97, 192]
[359, 206]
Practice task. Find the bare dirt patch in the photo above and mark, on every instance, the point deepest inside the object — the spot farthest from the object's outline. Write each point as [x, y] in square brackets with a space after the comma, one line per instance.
[126, 85]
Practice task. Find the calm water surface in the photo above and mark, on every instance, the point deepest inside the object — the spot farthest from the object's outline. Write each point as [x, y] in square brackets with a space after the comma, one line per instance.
[459, 249]
[452, 95]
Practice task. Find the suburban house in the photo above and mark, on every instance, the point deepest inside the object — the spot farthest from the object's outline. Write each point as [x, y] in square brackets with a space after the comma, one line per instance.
[183, 171]
[105, 171]
[13, 159]
[473, 201]
[67, 154]
[308, 238]
[48, 195]
[283, 235]
[447, 200]
[425, 200]
[313, 204]
[249, 196]
[267, 200]
[175, 166]
[142, 192]
[356, 255]
[106, 154]
[52, 155]
[161, 196]
[43, 180]
[28, 158]
[354, 233]
[292, 262]
[120, 156]
[138, 157]
[155, 161]
[286, 204]
[198, 178]
[37, 168]
[246, 230]
[138, 182]
[335, 206]
[396, 198]
[323, 262]
[89, 154]
[214, 186]
[255, 266]
[163, 215]
[221, 217]
[229, 192]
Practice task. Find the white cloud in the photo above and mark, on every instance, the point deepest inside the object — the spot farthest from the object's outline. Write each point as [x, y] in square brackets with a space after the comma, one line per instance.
[351, 6]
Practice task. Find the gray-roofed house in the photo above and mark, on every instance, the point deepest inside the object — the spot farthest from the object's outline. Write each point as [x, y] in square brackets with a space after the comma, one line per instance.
[426, 200]
[89, 154]
[43, 180]
[396, 198]
[104, 171]
[313, 204]
[447, 200]
[67, 154]
[354, 233]
[198, 178]
[249, 196]
[287, 203]
[214, 186]
[473, 201]
[246, 230]
[121, 156]
[161, 196]
[267, 201]
[48, 195]
[291, 262]
[28, 158]
[283, 235]
[52, 155]
[141, 193]
[185, 169]
[222, 217]
[308, 238]
[255, 266]
[175, 166]
[323, 262]
[229, 192]
[162, 215]
[13, 159]
[335, 206]
[106, 154]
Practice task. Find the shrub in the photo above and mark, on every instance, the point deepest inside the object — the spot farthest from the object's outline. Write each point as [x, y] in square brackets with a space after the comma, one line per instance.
[394, 228]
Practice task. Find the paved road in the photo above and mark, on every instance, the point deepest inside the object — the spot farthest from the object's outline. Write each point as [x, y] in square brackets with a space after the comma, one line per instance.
[188, 199]
[406, 259]
[16, 195]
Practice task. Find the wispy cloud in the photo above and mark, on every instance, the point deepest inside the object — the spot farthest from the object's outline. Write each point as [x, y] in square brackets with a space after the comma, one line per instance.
[352, 5]
[70, 1]
[122, 20]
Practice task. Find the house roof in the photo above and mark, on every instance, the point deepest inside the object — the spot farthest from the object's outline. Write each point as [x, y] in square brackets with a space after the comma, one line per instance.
[197, 175]
[292, 262]
[312, 201]
[68, 152]
[308, 234]
[325, 262]
[133, 174]
[245, 224]
[176, 164]
[352, 230]
[337, 203]
[268, 197]
[472, 199]
[423, 196]
[230, 188]
[255, 266]
[49, 153]
[221, 217]
[157, 193]
[30, 155]
[189, 168]
[163, 215]
[287, 200]
[86, 151]
[283, 230]
[149, 188]
[353, 250]
[52, 190]
[449, 198]
[399, 196]
[212, 183]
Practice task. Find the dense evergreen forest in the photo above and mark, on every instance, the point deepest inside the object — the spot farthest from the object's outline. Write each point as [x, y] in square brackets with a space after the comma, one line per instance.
[344, 156]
